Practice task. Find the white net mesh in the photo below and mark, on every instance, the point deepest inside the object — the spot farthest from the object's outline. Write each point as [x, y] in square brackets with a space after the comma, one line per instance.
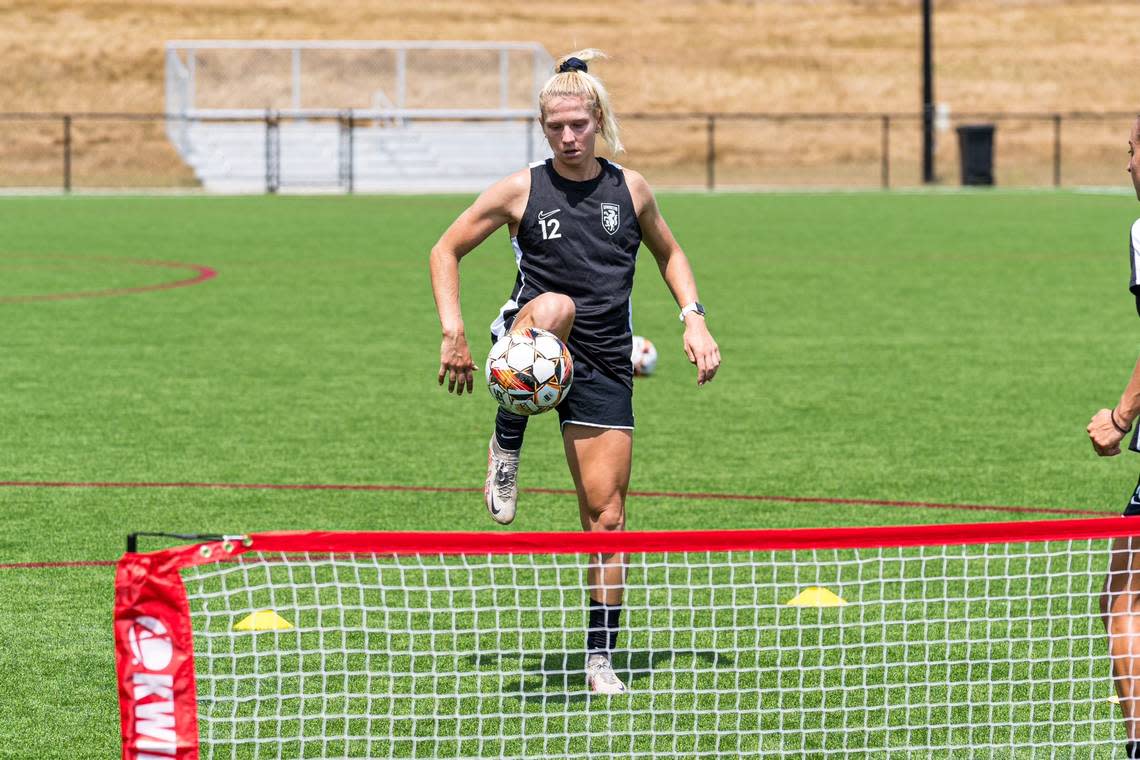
[942, 651]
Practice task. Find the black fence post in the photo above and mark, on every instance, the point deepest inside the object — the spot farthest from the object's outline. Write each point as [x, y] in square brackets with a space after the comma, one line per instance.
[927, 92]
[67, 153]
[272, 153]
[711, 155]
[1056, 150]
[885, 171]
[345, 171]
[341, 149]
[351, 151]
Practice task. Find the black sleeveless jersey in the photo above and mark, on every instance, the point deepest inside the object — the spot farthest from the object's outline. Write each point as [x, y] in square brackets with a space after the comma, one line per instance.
[580, 239]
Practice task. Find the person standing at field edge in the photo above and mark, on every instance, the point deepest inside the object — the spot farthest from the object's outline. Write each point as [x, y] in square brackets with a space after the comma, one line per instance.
[576, 222]
[1120, 600]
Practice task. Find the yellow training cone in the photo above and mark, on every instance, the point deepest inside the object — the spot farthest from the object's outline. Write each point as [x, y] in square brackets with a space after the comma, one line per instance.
[263, 620]
[816, 596]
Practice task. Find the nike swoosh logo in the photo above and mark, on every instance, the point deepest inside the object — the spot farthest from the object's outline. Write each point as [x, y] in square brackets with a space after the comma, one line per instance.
[547, 214]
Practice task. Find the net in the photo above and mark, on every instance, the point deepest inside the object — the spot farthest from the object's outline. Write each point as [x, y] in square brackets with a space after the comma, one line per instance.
[937, 641]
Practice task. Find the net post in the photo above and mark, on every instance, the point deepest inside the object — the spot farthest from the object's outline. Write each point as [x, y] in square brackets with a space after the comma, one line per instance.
[133, 538]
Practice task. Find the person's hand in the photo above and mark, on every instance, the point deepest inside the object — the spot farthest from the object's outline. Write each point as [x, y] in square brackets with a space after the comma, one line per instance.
[1105, 434]
[701, 348]
[455, 364]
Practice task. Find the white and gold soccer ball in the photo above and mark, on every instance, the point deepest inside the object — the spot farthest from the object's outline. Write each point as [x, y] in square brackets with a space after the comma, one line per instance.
[529, 371]
[644, 356]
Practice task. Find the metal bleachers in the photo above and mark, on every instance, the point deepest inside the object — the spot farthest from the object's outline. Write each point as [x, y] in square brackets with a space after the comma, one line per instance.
[338, 116]
[317, 156]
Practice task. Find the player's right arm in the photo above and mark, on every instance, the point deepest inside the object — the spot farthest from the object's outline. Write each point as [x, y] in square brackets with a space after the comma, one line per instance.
[1109, 426]
[502, 203]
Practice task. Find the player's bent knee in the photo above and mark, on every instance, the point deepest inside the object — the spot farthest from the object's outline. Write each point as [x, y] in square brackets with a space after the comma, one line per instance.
[553, 309]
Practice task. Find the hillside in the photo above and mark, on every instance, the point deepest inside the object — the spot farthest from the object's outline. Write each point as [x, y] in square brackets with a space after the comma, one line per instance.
[667, 55]
[851, 55]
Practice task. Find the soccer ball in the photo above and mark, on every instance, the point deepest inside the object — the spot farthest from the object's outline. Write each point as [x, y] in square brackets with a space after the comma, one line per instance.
[644, 356]
[529, 371]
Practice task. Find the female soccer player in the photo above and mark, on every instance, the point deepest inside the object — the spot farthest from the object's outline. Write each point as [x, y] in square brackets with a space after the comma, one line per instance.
[576, 222]
[1120, 600]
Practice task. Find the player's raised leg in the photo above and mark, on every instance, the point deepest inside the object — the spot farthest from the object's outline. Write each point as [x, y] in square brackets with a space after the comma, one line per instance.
[549, 311]
[599, 460]
[1120, 610]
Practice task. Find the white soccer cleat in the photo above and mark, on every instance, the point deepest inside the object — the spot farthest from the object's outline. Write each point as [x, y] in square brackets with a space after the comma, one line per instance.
[600, 676]
[501, 493]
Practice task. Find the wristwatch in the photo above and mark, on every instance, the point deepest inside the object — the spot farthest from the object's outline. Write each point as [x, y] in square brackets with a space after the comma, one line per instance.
[692, 308]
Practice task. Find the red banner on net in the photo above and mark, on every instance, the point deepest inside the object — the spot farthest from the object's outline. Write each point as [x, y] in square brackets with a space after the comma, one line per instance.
[154, 653]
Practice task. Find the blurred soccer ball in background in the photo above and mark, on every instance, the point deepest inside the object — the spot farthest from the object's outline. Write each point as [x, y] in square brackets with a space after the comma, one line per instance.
[529, 371]
[644, 356]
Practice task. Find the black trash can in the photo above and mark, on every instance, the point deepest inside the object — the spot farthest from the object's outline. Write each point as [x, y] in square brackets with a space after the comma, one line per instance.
[976, 151]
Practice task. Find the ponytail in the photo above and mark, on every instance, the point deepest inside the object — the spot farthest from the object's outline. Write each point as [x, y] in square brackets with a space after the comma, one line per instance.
[571, 79]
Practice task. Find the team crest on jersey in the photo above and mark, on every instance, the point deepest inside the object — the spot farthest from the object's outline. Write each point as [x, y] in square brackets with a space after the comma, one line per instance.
[611, 217]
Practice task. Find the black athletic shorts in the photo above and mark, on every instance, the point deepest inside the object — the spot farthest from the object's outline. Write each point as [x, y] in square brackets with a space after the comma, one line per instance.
[596, 400]
[1133, 507]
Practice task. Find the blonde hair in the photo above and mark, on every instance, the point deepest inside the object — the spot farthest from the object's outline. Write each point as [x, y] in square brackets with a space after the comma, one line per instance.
[575, 83]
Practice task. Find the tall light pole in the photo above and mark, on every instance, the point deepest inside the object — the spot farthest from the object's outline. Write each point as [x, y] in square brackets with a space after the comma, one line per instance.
[927, 95]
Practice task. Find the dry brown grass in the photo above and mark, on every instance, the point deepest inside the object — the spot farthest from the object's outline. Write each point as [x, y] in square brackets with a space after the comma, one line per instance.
[856, 55]
[727, 55]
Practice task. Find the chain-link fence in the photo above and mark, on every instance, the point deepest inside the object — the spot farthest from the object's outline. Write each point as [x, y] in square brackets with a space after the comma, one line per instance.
[377, 150]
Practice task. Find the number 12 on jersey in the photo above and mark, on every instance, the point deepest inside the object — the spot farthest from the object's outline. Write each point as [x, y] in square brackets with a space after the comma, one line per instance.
[549, 229]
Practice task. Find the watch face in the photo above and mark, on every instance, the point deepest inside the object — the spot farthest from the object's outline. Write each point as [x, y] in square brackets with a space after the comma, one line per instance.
[700, 309]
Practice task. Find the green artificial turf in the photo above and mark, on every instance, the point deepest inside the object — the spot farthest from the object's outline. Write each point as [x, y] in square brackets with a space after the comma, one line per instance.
[943, 348]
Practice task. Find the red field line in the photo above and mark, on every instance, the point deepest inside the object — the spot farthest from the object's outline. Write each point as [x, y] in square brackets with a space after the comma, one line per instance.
[36, 565]
[202, 274]
[700, 496]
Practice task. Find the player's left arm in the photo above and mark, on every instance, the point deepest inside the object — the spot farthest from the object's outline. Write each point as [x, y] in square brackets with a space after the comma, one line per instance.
[700, 347]
[1108, 427]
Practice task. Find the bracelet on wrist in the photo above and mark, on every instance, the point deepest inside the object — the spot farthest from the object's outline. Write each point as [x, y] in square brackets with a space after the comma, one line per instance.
[1119, 429]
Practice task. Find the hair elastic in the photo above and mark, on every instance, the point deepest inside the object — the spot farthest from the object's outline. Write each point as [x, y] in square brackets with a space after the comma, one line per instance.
[572, 64]
[1121, 430]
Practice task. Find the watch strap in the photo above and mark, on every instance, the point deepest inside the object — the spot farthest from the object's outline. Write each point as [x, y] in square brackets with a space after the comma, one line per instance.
[691, 308]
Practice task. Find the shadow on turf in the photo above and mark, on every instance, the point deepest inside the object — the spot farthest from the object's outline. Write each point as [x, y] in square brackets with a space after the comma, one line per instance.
[560, 676]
